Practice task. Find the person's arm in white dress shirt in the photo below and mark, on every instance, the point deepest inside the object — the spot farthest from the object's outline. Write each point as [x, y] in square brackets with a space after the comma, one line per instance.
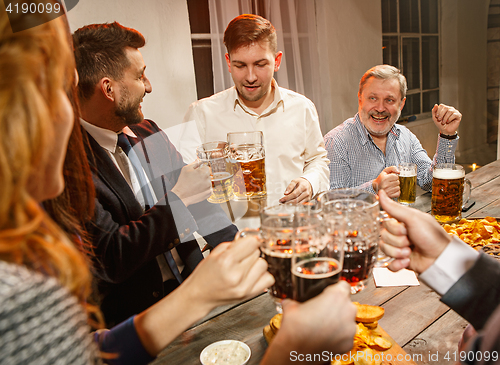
[316, 171]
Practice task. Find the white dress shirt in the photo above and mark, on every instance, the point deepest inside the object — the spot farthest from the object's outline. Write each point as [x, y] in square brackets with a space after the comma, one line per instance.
[293, 141]
[456, 259]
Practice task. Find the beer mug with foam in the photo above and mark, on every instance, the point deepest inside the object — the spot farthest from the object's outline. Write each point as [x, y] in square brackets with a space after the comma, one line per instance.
[215, 155]
[407, 183]
[450, 192]
[362, 215]
[246, 150]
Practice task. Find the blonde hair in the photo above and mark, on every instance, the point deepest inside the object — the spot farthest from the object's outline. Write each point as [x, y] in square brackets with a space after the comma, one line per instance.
[34, 65]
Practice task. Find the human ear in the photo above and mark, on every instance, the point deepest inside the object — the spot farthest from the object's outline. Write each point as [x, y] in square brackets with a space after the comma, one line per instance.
[277, 61]
[106, 87]
[228, 61]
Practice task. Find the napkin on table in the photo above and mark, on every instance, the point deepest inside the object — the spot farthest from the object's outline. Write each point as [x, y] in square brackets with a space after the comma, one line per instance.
[384, 277]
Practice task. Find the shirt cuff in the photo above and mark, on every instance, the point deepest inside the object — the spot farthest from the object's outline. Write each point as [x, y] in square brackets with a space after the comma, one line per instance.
[457, 258]
[314, 181]
[368, 186]
[446, 149]
[122, 344]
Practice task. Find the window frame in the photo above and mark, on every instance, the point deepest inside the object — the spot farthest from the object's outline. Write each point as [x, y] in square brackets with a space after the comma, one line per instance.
[400, 36]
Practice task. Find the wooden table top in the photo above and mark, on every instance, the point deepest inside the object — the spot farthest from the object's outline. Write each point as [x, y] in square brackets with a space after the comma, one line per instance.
[414, 317]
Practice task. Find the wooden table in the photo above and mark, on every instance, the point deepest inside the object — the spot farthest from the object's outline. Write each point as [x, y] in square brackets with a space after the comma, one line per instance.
[414, 317]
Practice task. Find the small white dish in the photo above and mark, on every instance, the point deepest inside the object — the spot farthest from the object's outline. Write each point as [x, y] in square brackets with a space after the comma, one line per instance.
[225, 349]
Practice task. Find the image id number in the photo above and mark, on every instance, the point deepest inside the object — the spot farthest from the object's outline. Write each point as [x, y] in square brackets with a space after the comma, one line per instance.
[33, 8]
[471, 356]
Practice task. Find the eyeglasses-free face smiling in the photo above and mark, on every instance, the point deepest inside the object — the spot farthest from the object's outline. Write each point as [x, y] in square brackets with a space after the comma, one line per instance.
[380, 105]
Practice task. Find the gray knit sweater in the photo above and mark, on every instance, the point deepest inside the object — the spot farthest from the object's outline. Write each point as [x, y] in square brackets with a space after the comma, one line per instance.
[40, 321]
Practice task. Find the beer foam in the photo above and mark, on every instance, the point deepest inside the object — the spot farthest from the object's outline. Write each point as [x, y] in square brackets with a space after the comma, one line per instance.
[448, 174]
[276, 253]
[219, 176]
[407, 173]
[331, 262]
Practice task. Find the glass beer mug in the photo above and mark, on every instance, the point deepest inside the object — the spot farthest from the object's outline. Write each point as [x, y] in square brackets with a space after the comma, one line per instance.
[407, 183]
[362, 215]
[450, 192]
[215, 155]
[246, 150]
[301, 255]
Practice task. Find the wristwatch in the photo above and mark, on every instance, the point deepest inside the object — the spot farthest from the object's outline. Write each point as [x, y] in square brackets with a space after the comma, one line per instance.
[447, 136]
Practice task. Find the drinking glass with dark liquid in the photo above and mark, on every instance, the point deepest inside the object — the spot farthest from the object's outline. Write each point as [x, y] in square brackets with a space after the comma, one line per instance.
[298, 252]
[407, 183]
[215, 156]
[246, 150]
[450, 192]
[361, 212]
[317, 259]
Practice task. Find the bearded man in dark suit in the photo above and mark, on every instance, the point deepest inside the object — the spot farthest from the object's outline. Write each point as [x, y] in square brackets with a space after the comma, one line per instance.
[149, 203]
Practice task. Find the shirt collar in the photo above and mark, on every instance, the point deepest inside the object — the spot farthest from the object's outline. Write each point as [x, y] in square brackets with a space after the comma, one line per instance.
[365, 135]
[106, 138]
[277, 101]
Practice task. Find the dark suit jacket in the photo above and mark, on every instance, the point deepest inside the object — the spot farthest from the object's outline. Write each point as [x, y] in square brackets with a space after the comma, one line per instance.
[476, 297]
[127, 239]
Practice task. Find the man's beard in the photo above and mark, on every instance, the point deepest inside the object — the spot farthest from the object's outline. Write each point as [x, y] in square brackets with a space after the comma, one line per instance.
[389, 127]
[247, 97]
[129, 110]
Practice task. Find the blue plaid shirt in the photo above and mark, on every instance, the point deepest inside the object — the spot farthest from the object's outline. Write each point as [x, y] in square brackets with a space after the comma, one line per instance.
[355, 160]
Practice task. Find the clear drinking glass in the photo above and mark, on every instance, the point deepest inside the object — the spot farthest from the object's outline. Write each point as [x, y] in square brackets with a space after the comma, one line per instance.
[362, 231]
[451, 190]
[246, 150]
[215, 155]
[317, 258]
[301, 253]
[407, 183]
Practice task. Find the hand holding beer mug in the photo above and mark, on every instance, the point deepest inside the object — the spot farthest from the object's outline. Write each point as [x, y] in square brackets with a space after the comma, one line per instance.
[362, 215]
[215, 155]
[450, 192]
[246, 150]
[407, 183]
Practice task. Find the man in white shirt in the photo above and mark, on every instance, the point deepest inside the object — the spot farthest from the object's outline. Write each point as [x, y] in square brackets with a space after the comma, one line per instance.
[296, 163]
[466, 279]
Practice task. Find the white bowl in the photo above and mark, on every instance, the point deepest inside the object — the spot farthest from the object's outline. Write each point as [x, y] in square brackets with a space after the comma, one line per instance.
[226, 343]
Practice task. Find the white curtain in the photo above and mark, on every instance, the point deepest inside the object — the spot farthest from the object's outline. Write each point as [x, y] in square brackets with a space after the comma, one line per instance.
[297, 30]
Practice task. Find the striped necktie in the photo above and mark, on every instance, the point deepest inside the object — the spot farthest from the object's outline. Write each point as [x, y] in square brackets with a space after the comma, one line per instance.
[125, 145]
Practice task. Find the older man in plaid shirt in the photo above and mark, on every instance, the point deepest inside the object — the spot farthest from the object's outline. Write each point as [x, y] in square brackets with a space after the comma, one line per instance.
[364, 151]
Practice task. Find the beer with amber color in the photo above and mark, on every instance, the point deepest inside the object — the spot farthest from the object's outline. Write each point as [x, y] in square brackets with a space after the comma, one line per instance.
[408, 187]
[407, 183]
[222, 187]
[215, 155]
[250, 179]
[246, 150]
[447, 193]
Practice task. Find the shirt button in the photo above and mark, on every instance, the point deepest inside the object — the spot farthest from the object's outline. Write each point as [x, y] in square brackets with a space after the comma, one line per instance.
[186, 230]
[156, 294]
[181, 236]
